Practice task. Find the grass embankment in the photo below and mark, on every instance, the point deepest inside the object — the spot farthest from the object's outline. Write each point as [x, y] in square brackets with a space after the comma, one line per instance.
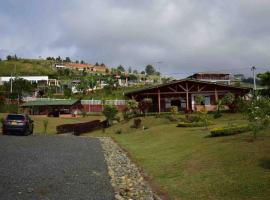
[27, 67]
[187, 164]
[53, 122]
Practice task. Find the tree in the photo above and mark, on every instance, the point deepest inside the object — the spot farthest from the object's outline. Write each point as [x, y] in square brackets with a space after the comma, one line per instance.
[82, 62]
[110, 112]
[67, 59]
[58, 59]
[120, 68]
[129, 70]
[265, 79]
[9, 57]
[150, 70]
[19, 87]
[199, 99]
[96, 64]
[142, 72]
[67, 92]
[145, 105]
[258, 114]
[135, 71]
[229, 100]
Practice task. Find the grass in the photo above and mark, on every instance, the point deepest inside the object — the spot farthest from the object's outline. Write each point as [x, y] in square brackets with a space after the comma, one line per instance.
[187, 164]
[27, 67]
[54, 121]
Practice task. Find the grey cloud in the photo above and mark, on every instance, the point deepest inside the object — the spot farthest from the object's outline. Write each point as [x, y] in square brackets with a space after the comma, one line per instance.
[187, 35]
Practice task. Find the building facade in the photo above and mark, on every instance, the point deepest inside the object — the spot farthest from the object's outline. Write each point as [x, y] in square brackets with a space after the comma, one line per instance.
[182, 93]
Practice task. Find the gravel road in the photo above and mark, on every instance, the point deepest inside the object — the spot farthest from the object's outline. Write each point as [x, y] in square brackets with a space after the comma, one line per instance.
[53, 167]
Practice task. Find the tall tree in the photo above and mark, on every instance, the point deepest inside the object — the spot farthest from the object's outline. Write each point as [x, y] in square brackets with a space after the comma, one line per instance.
[265, 79]
[67, 59]
[150, 70]
[120, 68]
[129, 70]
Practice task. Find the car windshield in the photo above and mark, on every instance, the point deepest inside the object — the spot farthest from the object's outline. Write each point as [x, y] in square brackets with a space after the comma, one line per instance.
[15, 117]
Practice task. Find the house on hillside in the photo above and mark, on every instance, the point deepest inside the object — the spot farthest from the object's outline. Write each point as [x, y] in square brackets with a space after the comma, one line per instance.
[53, 107]
[182, 93]
[215, 77]
[82, 67]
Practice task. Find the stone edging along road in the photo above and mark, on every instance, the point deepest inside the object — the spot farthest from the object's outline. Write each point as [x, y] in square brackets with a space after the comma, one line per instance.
[126, 179]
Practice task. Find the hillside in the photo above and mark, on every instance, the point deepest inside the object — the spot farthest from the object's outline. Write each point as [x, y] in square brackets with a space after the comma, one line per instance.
[25, 67]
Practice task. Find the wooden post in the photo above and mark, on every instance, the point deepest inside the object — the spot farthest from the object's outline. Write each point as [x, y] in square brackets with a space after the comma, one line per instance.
[187, 100]
[158, 101]
[216, 95]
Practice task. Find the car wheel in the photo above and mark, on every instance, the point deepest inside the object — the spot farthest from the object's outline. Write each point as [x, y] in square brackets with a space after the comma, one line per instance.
[26, 132]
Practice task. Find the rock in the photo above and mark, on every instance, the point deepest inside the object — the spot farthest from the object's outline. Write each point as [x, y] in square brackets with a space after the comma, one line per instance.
[126, 179]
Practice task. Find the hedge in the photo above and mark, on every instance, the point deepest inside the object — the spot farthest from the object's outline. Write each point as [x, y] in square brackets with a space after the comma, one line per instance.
[193, 124]
[78, 128]
[225, 131]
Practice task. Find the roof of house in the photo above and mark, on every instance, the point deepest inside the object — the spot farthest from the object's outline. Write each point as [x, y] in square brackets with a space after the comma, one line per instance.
[50, 102]
[189, 80]
[214, 72]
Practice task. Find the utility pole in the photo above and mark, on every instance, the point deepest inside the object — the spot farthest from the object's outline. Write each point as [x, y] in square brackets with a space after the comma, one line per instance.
[253, 68]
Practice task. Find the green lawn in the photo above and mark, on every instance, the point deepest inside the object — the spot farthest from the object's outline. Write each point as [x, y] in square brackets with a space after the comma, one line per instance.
[186, 164]
[54, 121]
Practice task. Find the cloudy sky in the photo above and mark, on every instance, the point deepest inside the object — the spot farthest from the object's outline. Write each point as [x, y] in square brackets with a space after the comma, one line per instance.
[186, 35]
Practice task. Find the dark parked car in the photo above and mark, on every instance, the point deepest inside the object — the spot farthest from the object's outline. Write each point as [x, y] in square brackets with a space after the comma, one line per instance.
[18, 124]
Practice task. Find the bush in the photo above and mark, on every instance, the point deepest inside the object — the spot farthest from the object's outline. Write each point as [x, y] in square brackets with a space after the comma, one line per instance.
[110, 113]
[194, 124]
[119, 131]
[217, 114]
[229, 130]
[137, 123]
[45, 125]
[174, 110]
[173, 118]
[192, 118]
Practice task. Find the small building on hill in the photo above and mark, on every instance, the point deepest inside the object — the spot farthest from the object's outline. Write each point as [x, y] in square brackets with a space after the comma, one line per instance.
[83, 67]
[53, 107]
[182, 93]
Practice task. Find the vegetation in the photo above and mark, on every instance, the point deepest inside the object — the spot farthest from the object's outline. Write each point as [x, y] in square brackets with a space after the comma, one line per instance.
[186, 164]
[45, 125]
[110, 113]
[258, 114]
[229, 130]
[55, 121]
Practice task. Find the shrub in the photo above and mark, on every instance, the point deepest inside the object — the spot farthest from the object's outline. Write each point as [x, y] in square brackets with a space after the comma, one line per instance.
[45, 125]
[192, 118]
[110, 112]
[174, 110]
[229, 130]
[137, 123]
[199, 99]
[217, 114]
[84, 113]
[173, 118]
[119, 131]
[194, 124]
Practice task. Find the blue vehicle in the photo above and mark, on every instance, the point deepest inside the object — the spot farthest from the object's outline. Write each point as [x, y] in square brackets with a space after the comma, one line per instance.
[17, 124]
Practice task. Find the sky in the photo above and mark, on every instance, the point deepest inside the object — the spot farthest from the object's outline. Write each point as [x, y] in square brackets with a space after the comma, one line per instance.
[178, 37]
